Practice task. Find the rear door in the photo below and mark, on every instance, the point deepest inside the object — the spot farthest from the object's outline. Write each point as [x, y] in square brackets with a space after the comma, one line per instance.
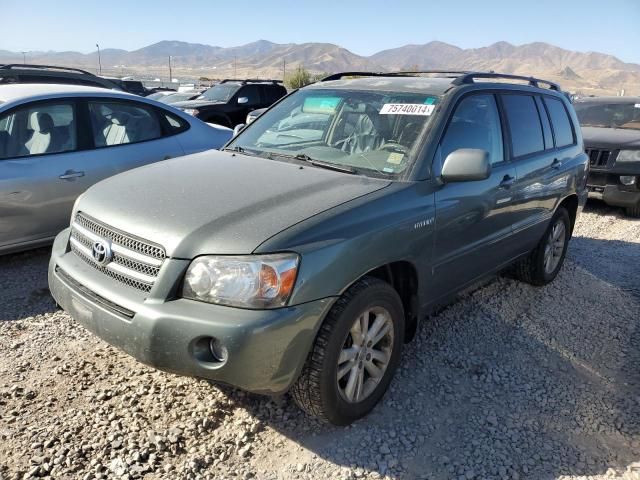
[126, 134]
[473, 219]
[539, 142]
[43, 168]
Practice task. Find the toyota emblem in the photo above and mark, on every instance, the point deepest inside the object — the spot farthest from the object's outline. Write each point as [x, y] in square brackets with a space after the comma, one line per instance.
[101, 252]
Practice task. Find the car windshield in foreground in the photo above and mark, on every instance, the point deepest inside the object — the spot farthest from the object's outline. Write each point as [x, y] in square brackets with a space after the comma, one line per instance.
[609, 115]
[370, 132]
[220, 93]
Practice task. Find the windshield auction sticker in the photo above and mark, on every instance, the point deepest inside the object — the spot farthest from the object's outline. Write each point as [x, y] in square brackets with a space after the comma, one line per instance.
[407, 109]
[637, 105]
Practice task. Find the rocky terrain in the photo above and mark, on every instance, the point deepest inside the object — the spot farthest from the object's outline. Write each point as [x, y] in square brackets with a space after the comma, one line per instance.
[511, 382]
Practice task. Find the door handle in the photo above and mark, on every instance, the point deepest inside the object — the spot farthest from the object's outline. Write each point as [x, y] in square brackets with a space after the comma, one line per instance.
[507, 181]
[71, 174]
[556, 164]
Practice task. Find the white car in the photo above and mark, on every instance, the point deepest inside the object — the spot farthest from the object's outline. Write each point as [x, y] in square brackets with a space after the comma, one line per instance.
[58, 140]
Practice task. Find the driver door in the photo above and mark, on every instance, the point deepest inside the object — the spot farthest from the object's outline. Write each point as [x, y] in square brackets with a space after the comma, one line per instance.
[473, 221]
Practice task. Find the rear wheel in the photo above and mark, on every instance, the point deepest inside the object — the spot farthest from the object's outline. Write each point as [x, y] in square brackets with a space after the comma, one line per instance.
[355, 355]
[634, 211]
[542, 265]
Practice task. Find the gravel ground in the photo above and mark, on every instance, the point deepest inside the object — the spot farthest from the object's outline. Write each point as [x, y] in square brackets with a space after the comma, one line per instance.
[511, 382]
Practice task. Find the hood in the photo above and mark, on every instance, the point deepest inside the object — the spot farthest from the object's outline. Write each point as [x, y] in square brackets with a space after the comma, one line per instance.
[610, 138]
[218, 202]
[195, 104]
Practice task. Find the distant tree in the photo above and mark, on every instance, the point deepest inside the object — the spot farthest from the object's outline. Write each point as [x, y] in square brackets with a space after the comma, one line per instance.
[299, 78]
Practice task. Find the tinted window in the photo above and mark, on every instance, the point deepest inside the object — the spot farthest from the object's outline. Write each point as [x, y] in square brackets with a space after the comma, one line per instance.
[561, 123]
[116, 123]
[475, 124]
[524, 124]
[175, 124]
[38, 129]
[252, 92]
[546, 126]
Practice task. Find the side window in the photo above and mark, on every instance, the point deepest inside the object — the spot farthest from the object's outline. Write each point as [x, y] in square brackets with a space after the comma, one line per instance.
[176, 124]
[560, 121]
[524, 124]
[38, 129]
[117, 123]
[475, 124]
[546, 126]
[252, 92]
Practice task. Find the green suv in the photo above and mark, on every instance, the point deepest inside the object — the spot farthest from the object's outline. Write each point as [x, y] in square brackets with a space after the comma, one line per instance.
[301, 257]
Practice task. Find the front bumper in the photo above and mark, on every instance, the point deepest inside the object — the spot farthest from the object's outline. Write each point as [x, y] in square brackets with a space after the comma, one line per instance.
[266, 348]
[606, 186]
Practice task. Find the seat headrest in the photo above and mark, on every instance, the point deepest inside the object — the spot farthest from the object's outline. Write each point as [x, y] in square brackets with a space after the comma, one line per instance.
[45, 123]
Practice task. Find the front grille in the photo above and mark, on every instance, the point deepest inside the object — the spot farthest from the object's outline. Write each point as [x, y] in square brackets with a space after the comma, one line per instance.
[135, 262]
[598, 158]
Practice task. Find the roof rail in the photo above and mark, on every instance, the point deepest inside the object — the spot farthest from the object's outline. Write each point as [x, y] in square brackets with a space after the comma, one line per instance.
[244, 81]
[445, 73]
[11, 66]
[534, 82]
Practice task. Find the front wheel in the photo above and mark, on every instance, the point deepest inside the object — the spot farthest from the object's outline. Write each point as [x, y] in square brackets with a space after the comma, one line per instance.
[355, 354]
[542, 265]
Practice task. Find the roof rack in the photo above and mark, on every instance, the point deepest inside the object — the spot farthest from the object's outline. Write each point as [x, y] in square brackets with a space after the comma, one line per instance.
[534, 82]
[11, 66]
[444, 73]
[244, 81]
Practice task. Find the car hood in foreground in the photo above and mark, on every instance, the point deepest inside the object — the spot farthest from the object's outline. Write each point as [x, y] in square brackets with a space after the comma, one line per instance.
[611, 138]
[218, 202]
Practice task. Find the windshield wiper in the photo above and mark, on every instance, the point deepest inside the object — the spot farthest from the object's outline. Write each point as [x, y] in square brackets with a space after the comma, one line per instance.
[242, 150]
[318, 163]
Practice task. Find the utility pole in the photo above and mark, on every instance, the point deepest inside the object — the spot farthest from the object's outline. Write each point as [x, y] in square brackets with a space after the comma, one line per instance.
[284, 69]
[99, 60]
[24, 57]
[170, 74]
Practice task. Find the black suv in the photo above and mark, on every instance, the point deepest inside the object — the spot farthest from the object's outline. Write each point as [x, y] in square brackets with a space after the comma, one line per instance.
[611, 130]
[229, 102]
[26, 73]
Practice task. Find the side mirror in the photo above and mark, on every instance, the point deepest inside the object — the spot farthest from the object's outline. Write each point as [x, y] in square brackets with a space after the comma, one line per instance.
[238, 128]
[243, 100]
[466, 165]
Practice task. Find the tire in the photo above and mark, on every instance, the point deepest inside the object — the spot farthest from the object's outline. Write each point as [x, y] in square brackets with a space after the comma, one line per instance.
[532, 269]
[634, 211]
[318, 390]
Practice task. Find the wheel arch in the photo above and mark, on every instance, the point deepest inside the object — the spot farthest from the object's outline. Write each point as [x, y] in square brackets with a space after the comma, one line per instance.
[402, 275]
[570, 204]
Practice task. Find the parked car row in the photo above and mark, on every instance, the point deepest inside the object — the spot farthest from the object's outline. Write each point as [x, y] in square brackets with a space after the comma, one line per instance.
[301, 257]
[611, 129]
[58, 140]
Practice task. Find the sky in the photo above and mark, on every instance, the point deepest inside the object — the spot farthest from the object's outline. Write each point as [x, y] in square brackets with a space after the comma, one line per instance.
[364, 27]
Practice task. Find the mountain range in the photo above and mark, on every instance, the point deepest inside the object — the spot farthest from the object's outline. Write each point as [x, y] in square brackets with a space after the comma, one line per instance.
[587, 73]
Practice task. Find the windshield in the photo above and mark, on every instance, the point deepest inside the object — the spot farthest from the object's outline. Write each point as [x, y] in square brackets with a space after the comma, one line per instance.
[610, 115]
[220, 93]
[370, 132]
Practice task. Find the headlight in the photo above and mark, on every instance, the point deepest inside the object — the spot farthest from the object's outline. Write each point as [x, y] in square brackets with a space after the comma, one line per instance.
[252, 281]
[191, 111]
[628, 156]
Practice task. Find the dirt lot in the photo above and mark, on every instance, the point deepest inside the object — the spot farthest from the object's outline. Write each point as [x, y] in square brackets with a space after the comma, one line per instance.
[511, 382]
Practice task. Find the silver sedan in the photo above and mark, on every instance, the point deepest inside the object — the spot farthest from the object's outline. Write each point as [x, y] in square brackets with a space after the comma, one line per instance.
[58, 140]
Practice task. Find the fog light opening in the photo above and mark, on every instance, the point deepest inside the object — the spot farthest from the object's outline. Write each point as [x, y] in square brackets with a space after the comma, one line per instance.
[628, 180]
[218, 350]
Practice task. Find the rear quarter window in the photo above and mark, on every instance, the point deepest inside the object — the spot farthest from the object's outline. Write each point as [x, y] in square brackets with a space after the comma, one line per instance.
[562, 128]
[524, 124]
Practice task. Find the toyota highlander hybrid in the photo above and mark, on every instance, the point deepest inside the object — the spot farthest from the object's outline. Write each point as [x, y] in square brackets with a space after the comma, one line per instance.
[301, 257]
